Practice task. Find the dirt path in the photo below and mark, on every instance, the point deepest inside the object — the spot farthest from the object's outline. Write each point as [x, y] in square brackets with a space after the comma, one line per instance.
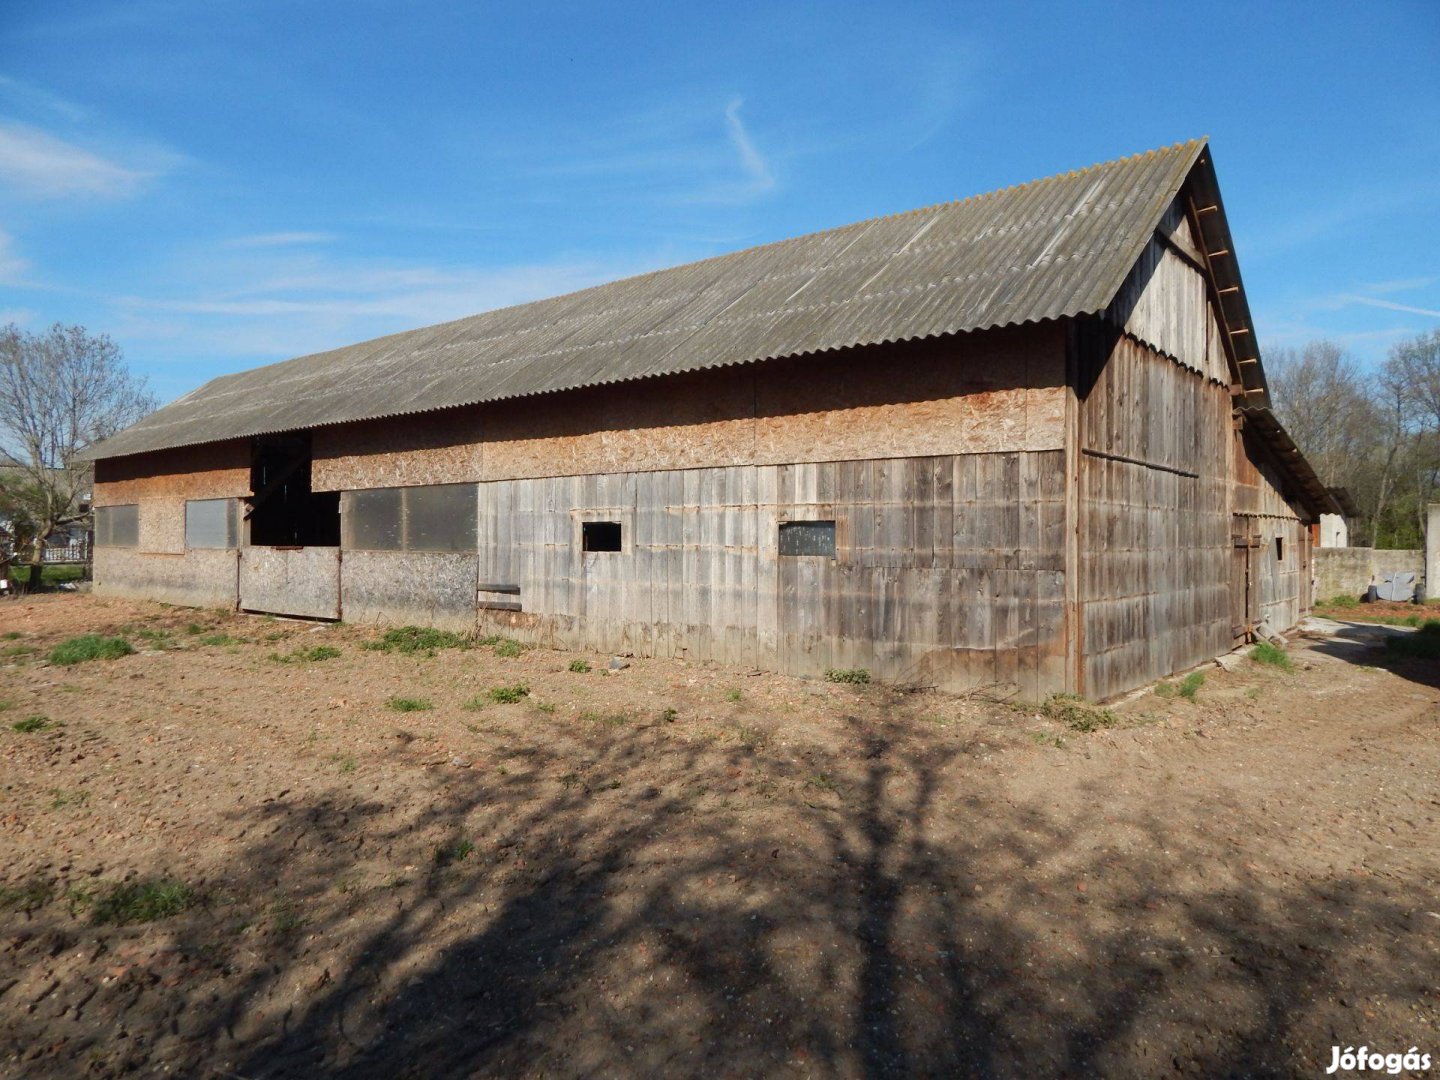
[677, 869]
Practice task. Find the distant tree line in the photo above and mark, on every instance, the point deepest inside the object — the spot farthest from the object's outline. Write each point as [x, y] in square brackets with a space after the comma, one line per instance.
[61, 390]
[1377, 434]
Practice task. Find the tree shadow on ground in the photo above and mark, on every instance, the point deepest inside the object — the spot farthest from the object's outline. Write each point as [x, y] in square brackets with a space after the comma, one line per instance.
[754, 915]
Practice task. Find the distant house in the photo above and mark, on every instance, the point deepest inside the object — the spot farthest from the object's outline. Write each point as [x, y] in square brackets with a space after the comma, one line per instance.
[1020, 440]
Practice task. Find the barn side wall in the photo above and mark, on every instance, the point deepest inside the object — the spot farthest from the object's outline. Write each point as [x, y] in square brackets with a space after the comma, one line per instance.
[941, 463]
[1264, 504]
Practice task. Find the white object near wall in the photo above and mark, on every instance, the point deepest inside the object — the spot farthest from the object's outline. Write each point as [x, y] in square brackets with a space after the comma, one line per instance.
[1334, 533]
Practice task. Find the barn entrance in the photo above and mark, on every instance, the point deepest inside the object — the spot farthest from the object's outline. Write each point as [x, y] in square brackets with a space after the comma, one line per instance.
[290, 564]
[1244, 590]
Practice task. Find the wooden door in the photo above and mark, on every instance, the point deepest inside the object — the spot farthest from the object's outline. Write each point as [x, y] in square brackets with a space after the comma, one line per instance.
[1244, 599]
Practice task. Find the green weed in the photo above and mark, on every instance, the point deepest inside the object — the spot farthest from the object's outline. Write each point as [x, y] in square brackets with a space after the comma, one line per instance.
[32, 724]
[508, 647]
[609, 720]
[1272, 656]
[78, 650]
[19, 650]
[220, 639]
[416, 639]
[410, 704]
[1078, 714]
[453, 852]
[733, 696]
[306, 656]
[1190, 685]
[508, 695]
[853, 676]
[142, 901]
[580, 667]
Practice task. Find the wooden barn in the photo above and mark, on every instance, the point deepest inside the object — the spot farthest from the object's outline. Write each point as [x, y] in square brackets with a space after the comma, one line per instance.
[1021, 440]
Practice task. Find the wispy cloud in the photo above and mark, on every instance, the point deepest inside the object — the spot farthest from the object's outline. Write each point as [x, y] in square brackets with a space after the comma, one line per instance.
[1390, 305]
[750, 159]
[281, 239]
[12, 266]
[36, 163]
[23, 93]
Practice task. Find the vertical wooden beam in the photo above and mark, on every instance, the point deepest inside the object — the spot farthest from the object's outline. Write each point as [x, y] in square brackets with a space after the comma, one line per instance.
[1074, 613]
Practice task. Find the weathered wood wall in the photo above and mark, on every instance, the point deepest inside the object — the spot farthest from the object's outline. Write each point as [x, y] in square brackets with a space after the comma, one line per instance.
[1265, 504]
[949, 570]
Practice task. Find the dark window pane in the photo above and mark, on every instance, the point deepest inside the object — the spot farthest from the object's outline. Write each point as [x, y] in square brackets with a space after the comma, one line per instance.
[210, 523]
[807, 538]
[372, 520]
[117, 526]
[440, 517]
[600, 535]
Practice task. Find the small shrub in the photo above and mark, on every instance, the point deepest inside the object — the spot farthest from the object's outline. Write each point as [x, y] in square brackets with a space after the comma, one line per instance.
[1424, 644]
[508, 647]
[1190, 685]
[410, 704]
[347, 765]
[32, 724]
[1271, 655]
[142, 901]
[509, 695]
[580, 667]
[670, 715]
[1078, 714]
[305, 656]
[853, 676]
[733, 696]
[451, 853]
[78, 650]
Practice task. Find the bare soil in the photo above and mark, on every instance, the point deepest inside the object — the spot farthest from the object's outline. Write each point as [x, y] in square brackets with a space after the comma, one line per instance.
[678, 869]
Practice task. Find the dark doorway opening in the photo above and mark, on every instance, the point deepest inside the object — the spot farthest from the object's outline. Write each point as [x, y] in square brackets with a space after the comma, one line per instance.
[284, 512]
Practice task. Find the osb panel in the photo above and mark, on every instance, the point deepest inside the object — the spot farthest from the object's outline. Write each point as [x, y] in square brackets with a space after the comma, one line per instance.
[162, 526]
[200, 578]
[1001, 391]
[436, 448]
[409, 588]
[690, 421]
[998, 392]
[220, 470]
[299, 581]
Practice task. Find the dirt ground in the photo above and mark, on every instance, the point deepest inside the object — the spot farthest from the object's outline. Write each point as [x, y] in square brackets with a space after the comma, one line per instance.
[679, 869]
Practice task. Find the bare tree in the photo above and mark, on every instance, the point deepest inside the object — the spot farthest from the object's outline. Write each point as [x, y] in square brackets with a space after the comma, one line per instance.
[61, 390]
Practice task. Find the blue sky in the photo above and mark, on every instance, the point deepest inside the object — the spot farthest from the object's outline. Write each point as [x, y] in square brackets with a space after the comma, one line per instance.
[218, 184]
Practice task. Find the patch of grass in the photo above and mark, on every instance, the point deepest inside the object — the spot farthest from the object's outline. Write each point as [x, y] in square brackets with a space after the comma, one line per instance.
[609, 720]
[476, 703]
[142, 901]
[453, 852]
[306, 656]
[26, 897]
[194, 629]
[1165, 689]
[32, 724]
[1078, 714]
[580, 667]
[156, 639]
[7, 704]
[752, 737]
[11, 635]
[733, 696]
[1424, 644]
[416, 639]
[853, 676]
[508, 695]
[220, 639]
[410, 704]
[61, 798]
[1340, 602]
[347, 765]
[18, 650]
[1190, 685]
[508, 647]
[78, 650]
[49, 575]
[546, 707]
[670, 715]
[1047, 738]
[1272, 656]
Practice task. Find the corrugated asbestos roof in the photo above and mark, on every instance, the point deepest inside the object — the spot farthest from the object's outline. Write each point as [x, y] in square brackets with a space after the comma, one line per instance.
[1043, 250]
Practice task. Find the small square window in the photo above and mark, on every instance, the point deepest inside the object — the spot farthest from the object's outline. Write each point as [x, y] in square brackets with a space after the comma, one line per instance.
[600, 535]
[807, 538]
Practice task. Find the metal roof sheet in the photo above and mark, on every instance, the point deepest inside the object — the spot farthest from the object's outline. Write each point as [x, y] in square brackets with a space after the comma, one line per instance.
[1051, 248]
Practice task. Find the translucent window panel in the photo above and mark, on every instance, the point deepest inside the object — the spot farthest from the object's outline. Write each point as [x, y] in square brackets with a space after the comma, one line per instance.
[117, 526]
[440, 517]
[210, 523]
[371, 520]
[807, 538]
